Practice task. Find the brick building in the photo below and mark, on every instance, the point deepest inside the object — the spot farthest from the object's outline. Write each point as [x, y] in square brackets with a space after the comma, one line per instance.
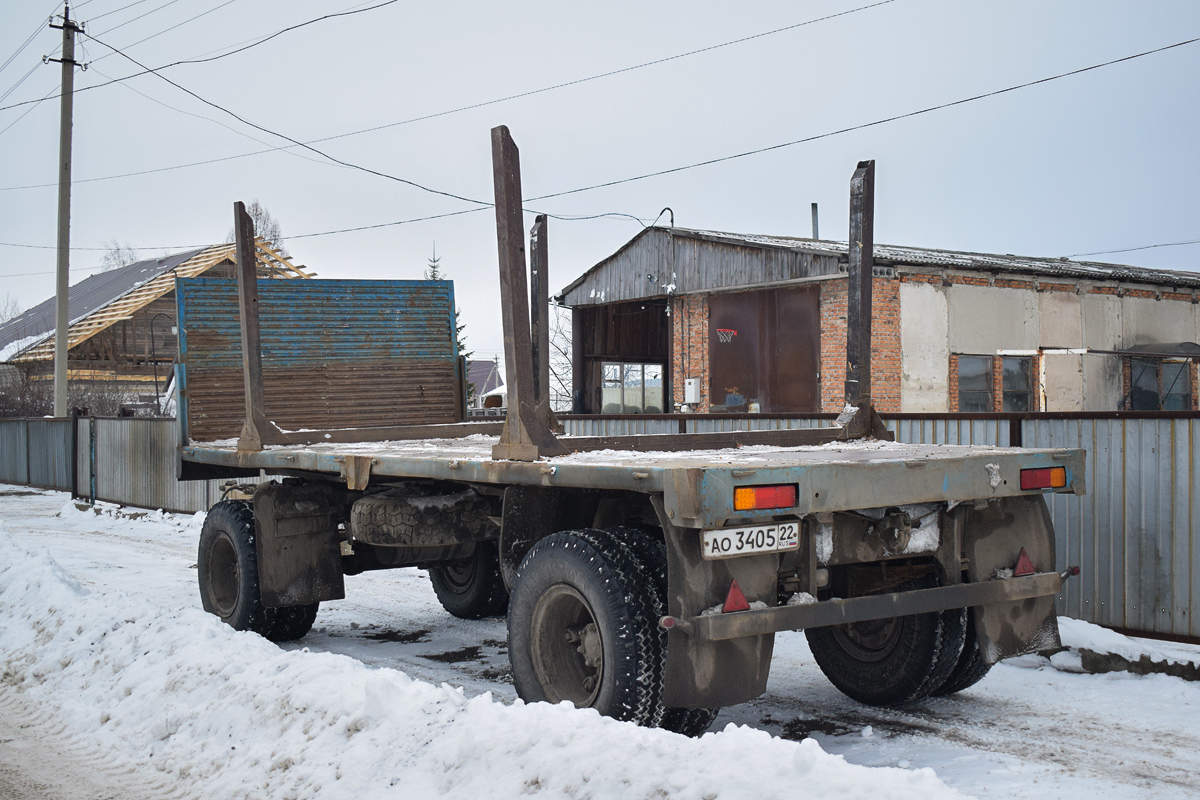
[728, 322]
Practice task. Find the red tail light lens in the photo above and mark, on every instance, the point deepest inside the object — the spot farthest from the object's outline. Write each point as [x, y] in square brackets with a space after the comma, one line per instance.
[753, 498]
[1045, 478]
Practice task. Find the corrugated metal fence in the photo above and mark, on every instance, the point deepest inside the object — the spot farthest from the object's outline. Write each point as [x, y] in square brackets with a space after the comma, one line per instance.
[125, 461]
[1136, 534]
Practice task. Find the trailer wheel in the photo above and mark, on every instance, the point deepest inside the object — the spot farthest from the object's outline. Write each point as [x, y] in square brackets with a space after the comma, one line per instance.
[581, 627]
[227, 569]
[472, 588]
[653, 555]
[970, 668]
[890, 662]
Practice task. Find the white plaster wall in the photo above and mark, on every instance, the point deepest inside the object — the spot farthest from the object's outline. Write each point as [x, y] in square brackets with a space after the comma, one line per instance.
[924, 349]
[984, 319]
[1101, 382]
[1147, 321]
[1101, 321]
[1064, 382]
[1061, 319]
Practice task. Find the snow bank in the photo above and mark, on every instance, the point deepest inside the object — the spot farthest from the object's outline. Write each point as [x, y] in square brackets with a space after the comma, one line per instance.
[1079, 635]
[227, 714]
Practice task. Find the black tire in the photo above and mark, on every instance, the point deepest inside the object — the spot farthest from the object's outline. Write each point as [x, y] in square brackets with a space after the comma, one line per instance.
[653, 555]
[970, 668]
[408, 517]
[581, 627]
[890, 662]
[689, 721]
[227, 569]
[472, 588]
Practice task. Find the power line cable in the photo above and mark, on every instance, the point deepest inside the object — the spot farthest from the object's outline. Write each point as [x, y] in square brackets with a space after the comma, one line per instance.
[608, 74]
[245, 121]
[201, 116]
[483, 204]
[864, 125]
[140, 16]
[23, 78]
[168, 30]
[1133, 249]
[41, 27]
[460, 108]
[310, 235]
[46, 96]
[115, 10]
[35, 103]
[147, 70]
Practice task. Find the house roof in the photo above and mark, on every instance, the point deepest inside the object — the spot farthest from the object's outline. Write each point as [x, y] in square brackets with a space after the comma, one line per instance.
[85, 297]
[103, 299]
[897, 255]
[485, 375]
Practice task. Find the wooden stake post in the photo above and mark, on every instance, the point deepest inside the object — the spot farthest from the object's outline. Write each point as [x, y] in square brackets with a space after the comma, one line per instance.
[256, 430]
[526, 436]
[858, 285]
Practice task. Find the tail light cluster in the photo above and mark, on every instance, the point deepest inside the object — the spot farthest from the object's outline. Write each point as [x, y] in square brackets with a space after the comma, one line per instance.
[754, 498]
[1044, 478]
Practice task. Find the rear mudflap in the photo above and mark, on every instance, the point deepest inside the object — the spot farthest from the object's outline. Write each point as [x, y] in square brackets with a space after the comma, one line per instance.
[994, 535]
[713, 674]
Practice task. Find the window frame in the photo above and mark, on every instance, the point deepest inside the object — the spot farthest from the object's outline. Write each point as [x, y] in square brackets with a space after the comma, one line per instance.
[1162, 392]
[635, 391]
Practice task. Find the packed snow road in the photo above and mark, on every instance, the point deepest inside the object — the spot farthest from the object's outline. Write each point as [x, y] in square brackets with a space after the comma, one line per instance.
[107, 663]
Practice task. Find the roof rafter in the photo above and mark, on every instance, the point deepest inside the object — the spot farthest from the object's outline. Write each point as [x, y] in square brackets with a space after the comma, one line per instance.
[271, 264]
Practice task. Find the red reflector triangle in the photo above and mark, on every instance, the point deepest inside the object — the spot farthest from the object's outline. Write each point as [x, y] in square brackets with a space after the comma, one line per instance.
[735, 600]
[1024, 565]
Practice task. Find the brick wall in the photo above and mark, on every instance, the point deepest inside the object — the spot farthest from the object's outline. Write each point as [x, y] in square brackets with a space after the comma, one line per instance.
[885, 344]
[689, 346]
[690, 342]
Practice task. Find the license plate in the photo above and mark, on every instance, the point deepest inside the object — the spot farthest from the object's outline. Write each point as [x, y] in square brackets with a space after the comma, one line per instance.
[731, 542]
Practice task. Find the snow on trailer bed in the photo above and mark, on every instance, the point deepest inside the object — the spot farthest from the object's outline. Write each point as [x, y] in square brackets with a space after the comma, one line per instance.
[834, 476]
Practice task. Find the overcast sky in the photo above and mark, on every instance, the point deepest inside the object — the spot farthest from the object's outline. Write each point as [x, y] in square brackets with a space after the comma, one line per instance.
[1103, 160]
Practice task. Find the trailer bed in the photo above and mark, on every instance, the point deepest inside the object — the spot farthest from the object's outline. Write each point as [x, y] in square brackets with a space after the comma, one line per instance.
[831, 477]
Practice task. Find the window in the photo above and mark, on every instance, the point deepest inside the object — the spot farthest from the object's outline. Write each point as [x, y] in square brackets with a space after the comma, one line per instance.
[977, 377]
[1159, 385]
[631, 388]
[974, 384]
[1017, 383]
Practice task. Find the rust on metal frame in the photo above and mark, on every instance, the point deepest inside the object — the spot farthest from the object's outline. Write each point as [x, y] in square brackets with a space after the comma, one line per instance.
[861, 609]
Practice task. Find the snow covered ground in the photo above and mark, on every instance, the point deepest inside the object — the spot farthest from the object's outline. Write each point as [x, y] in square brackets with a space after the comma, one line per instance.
[111, 673]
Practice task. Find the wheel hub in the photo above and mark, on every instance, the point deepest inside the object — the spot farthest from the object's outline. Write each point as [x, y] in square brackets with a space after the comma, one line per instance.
[872, 640]
[566, 647]
[459, 574]
[224, 579]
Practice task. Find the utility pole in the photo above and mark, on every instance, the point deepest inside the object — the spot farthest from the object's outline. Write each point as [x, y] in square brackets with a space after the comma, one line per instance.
[62, 289]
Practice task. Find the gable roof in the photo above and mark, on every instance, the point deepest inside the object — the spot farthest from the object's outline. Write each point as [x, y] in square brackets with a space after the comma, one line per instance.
[884, 255]
[485, 375]
[100, 300]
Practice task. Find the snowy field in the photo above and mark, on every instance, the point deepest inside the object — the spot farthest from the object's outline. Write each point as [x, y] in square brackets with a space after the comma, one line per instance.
[113, 683]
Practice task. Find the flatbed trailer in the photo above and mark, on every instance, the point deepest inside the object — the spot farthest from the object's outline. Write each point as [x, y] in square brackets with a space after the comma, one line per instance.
[646, 576]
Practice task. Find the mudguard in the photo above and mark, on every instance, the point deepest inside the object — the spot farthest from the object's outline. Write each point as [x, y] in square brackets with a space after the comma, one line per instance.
[298, 544]
[715, 673]
[993, 536]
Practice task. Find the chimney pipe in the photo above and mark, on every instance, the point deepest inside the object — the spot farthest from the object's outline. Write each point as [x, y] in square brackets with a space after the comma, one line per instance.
[816, 233]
